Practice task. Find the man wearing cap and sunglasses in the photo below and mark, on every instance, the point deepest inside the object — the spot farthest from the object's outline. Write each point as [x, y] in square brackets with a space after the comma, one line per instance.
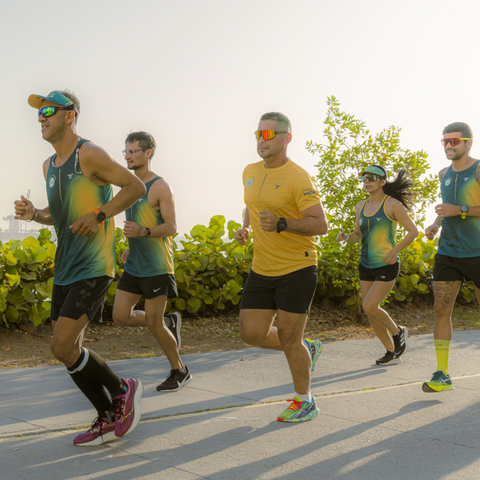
[458, 256]
[81, 207]
[285, 213]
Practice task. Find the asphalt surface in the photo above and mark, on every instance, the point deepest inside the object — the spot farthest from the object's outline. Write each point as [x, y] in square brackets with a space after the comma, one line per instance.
[374, 423]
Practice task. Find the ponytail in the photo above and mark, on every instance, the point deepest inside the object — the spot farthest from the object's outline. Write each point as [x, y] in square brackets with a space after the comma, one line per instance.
[401, 189]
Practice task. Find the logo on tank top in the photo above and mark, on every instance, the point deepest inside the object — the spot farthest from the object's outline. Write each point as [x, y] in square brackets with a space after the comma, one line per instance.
[70, 175]
[361, 221]
[51, 181]
[466, 178]
[378, 219]
[249, 182]
[448, 181]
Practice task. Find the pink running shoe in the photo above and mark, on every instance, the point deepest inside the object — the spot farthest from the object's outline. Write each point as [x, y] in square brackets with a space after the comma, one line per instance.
[127, 407]
[101, 431]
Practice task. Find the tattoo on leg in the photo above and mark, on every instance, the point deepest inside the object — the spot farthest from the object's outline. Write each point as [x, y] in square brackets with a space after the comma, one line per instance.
[447, 298]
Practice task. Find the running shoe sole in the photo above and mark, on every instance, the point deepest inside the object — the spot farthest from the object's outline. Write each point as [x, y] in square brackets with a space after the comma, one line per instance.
[428, 389]
[395, 361]
[136, 402]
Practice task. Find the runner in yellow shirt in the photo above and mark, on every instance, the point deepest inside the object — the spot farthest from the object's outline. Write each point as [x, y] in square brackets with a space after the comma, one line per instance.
[285, 213]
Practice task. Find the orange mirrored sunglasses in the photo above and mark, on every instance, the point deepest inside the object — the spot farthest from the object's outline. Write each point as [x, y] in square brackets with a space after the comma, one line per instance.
[266, 134]
[453, 141]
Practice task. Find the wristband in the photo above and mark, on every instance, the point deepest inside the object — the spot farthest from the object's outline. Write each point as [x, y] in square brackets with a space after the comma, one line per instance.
[140, 228]
[34, 215]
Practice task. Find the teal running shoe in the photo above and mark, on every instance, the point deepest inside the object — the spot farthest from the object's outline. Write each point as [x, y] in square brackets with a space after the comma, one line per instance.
[315, 348]
[299, 411]
[439, 383]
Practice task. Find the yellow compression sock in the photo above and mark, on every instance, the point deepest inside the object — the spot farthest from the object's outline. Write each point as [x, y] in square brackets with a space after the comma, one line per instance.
[442, 348]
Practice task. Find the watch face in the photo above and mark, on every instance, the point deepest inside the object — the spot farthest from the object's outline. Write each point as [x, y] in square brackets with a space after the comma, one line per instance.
[101, 216]
[281, 225]
[148, 233]
[464, 208]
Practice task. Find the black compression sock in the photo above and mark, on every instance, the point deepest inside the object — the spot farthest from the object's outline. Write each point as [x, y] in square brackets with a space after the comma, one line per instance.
[95, 369]
[93, 390]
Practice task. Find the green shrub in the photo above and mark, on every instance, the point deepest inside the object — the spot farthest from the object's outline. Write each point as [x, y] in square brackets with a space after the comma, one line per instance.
[26, 279]
[210, 273]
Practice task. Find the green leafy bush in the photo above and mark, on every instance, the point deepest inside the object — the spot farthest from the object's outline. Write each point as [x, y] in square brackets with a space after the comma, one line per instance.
[210, 273]
[26, 279]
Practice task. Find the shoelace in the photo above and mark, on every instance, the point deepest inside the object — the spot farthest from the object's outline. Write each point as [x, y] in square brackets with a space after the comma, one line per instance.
[119, 406]
[99, 422]
[295, 405]
[437, 376]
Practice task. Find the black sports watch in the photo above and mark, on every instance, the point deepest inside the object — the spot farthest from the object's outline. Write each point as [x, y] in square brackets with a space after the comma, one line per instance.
[148, 232]
[464, 209]
[281, 225]
[100, 215]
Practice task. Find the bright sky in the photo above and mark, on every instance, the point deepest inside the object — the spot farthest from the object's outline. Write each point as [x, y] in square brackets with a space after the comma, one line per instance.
[198, 74]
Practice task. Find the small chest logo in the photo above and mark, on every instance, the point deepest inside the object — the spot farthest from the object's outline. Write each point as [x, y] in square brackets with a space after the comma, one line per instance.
[465, 179]
[277, 187]
[140, 200]
[51, 181]
[448, 181]
[249, 182]
[361, 221]
[378, 219]
[70, 175]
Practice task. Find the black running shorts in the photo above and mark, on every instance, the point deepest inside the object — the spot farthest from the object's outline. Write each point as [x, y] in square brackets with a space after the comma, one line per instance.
[149, 287]
[451, 269]
[85, 296]
[291, 293]
[387, 273]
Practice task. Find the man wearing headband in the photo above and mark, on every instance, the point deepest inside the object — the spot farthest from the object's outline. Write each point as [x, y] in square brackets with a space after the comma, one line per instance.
[285, 213]
[81, 207]
[458, 256]
[149, 270]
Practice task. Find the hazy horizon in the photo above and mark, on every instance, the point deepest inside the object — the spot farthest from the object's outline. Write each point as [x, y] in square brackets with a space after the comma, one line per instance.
[199, 74]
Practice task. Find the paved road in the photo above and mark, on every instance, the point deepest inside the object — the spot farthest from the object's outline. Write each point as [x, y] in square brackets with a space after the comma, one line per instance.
[374, 422]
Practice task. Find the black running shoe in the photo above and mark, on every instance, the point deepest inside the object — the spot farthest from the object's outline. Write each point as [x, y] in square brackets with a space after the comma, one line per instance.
[174, 324]
[400, 340]
[175, 381]
[389, 359]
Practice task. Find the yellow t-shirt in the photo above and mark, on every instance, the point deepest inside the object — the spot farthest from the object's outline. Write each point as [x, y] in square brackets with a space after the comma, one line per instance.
[285, 191]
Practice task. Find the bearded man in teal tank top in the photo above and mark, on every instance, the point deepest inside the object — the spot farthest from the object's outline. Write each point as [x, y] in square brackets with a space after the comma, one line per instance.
[149, 270]
[458, 256]
[81, 207]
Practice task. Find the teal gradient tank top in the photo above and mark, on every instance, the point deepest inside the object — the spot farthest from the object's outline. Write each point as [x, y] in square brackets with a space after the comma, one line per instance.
[378, 236]
[71, 195]
[148, 257]
[460, 237]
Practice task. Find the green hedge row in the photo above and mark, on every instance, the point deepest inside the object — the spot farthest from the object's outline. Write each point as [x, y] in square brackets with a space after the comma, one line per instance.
[209, 269]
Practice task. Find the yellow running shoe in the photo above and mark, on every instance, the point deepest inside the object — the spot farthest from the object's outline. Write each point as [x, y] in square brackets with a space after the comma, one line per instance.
[439, 383]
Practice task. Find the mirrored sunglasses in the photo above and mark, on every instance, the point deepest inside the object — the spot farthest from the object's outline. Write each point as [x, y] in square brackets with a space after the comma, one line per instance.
[453, 141]
[266, 134]
[49, 111]
[371, 177]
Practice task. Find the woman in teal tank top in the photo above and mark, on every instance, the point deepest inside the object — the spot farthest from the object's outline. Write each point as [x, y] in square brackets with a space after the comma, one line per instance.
[388, 204]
